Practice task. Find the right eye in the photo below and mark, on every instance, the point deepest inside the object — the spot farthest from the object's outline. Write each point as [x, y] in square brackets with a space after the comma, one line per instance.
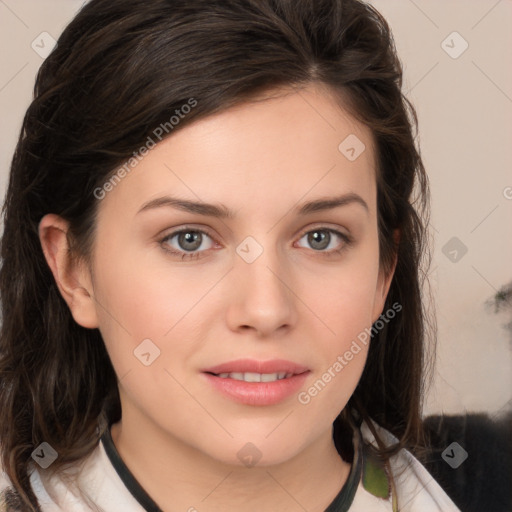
[187, 243]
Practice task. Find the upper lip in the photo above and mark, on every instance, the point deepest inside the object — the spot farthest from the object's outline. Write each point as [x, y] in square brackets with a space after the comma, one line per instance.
[254, 366]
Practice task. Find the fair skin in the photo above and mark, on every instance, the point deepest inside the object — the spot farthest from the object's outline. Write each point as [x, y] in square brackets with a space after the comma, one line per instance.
[263, 160]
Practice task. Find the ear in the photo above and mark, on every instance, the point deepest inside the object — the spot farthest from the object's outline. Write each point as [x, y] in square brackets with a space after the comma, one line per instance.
[71, 275]
[384, 282]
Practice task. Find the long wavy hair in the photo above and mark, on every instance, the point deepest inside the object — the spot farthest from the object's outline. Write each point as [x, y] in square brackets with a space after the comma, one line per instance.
[120, 69]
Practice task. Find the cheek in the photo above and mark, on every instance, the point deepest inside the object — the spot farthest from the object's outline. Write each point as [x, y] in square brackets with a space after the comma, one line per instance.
[343, 295]
[139, 300]
[341, 353]
[343, 300]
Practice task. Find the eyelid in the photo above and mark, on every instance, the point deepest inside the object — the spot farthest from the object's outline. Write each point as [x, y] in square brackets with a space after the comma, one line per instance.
[185, 228]
[325, 227]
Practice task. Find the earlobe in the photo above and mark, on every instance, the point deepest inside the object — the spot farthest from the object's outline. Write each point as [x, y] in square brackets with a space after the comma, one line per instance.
[71, 275]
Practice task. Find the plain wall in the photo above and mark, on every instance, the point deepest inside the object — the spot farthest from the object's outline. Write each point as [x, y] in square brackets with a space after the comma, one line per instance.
[464, 105]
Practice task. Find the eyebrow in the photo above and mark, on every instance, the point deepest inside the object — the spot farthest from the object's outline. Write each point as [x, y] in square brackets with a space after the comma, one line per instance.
[222, 212]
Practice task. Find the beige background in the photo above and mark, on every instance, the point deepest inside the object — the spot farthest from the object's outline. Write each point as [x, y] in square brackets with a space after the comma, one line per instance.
[465, 119]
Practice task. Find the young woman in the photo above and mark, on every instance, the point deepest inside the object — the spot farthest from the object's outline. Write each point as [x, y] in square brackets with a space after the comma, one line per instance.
[211, 266]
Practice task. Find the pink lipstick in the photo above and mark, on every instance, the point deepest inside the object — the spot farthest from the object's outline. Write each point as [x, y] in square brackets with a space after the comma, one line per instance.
[253, 382]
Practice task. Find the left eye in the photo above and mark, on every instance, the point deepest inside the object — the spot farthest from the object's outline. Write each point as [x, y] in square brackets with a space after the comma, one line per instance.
[322, 239]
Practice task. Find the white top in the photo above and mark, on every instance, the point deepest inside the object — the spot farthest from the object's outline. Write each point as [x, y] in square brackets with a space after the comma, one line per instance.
[110, 491]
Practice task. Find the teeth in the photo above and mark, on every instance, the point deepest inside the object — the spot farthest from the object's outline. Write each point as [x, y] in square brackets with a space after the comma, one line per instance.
[255, 377]
[251, 377]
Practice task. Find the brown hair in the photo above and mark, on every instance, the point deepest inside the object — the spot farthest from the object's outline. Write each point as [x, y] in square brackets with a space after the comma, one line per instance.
[119, 70]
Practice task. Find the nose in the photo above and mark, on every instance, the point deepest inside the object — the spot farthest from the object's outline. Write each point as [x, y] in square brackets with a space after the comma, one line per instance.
[262, 298]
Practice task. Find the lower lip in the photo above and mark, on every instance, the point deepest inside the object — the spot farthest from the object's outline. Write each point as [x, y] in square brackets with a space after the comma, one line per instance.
[258, 393]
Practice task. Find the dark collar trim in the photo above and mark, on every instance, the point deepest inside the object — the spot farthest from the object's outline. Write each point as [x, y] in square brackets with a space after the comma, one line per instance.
[126, 476]
[341, 502]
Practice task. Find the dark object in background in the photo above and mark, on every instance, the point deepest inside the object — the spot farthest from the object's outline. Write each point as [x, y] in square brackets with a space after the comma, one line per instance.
[483, 482]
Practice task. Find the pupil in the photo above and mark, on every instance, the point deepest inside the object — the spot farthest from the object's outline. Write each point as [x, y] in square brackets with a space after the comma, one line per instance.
[190, 240]
[319, 239]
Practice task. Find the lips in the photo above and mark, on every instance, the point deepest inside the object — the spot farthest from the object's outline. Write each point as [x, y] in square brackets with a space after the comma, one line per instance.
[254, 366]
[263, 389]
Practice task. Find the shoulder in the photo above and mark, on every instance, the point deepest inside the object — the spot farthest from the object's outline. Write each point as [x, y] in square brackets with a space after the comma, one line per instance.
[4, 481]
[416, 489]
[9, 499]
[91, 483]
[47, 492]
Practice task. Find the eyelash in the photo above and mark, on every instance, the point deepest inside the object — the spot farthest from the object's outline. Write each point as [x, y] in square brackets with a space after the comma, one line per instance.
[347, 242]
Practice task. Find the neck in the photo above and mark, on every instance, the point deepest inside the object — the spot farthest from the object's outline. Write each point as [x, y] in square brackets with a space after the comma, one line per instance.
[178, 476]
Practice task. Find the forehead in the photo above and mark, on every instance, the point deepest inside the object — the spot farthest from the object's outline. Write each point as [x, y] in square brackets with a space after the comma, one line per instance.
[276, 149]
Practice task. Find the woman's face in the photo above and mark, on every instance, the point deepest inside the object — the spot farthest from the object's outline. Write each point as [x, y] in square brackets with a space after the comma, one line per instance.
[290, 273]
